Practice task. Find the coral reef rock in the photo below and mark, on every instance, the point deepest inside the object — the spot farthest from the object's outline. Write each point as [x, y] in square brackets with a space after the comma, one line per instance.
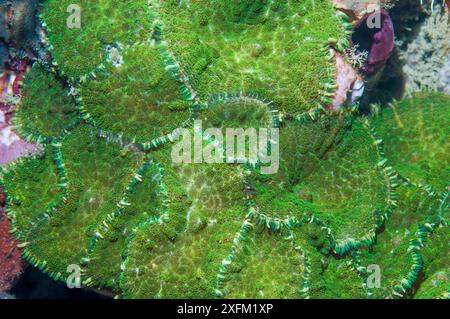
[105, 194]
[10, 256]
[427, 56]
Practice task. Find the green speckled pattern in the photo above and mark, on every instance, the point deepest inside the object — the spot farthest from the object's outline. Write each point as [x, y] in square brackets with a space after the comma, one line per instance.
[104, 193]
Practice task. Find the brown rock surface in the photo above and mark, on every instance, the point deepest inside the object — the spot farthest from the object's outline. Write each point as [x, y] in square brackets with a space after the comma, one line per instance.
[357, 9]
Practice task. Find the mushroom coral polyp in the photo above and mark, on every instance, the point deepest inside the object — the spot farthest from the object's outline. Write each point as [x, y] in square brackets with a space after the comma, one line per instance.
[104, 193]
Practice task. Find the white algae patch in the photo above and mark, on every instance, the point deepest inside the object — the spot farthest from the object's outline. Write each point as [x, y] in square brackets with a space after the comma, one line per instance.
[426, 58]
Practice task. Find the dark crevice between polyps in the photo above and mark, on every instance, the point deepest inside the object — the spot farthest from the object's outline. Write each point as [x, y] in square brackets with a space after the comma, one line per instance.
[374, 33]
[408, 17]
[34, 284]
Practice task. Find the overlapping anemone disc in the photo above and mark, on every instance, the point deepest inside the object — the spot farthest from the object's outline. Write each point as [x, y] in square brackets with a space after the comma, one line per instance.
[180, 258]
[80, 50]
[335, 279]
[436, 277]
[416, 135]
[46, 110]
[393, 252]
[137, 99]
[328, 168]
[266, 265]
[156, 198]
[254, 46]
[31, 185]
[235, 123]
[322, 275]
[98, 173]
[239, 110]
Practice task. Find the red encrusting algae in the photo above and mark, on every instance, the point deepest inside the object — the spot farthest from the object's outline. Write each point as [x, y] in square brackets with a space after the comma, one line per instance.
[11, 264]
[11, 148]
[11, 145]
